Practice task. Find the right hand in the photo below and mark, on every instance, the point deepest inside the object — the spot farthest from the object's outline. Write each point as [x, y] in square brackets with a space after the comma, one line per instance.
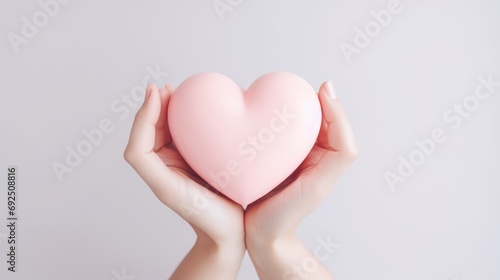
[153, 155]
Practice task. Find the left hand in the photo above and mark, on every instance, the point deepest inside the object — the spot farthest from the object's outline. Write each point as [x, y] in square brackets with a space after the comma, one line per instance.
[279, 212]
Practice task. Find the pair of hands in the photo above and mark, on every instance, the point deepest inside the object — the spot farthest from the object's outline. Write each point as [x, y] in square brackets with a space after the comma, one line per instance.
[224, 229]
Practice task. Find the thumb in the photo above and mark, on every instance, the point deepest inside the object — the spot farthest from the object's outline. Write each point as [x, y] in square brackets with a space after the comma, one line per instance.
[142, 134]
[340, 137]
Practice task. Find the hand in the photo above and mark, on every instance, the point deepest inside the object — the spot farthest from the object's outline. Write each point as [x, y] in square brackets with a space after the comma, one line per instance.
[217, 221]
[271, 221]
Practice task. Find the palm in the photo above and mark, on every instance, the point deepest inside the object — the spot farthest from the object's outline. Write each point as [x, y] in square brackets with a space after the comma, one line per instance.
[172, 180]
[221, 217]
[283, 208]
[271, 213]
[173, 160]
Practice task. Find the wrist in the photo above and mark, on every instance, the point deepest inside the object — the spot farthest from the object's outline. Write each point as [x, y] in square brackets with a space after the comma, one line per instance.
[262, 247]
[228, 248]
[209, 259]
[273, 258]
[257, 240]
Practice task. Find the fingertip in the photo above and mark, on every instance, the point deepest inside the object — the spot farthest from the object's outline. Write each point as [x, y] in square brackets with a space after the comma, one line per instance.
[153, 88]
[152, 101]
[155, 92]
[339, 134]
[327, 90]
[148, 92]
[326, 102]
[330, 89]
[322, 87]
[163, 92]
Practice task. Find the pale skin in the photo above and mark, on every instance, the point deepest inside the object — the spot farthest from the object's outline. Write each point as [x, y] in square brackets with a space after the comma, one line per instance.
[224, 230]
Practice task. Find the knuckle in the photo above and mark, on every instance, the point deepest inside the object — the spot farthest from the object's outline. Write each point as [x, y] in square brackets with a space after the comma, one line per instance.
[352, 153]
[128, 155]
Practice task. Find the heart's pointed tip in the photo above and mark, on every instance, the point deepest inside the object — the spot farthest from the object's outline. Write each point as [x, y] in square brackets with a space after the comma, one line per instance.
[247, 201]
[244, 202]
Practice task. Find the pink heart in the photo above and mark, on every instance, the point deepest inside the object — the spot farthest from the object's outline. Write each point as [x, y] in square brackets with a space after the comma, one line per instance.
[244, 144]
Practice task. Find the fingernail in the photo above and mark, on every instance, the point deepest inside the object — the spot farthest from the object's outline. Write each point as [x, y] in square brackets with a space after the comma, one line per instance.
[330, 90]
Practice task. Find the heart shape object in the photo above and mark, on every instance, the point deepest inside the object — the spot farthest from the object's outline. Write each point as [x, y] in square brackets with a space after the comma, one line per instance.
[244, 144]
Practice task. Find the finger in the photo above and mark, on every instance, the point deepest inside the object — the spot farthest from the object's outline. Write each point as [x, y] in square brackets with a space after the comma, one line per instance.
[142, 134]
[340, 150]
[166, 132]
[162, 119]
[139, 153]
[339, 132]
[173, 189]
[322, 139]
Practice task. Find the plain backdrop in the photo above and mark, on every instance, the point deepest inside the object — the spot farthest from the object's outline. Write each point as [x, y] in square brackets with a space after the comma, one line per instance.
[86, 62]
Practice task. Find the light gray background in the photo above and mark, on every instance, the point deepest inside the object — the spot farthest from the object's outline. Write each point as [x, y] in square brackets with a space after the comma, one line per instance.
[103, 222]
